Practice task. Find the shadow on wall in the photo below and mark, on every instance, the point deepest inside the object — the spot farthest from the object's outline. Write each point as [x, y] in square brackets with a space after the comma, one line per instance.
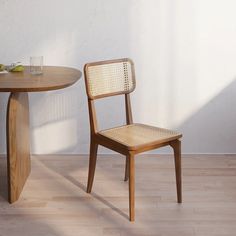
[57, 120]
[212, 129]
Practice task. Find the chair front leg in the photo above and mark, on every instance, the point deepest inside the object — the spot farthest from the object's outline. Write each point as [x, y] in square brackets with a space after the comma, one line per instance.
[131, 187]
[92, 164]
[176, 145]
[126, 169]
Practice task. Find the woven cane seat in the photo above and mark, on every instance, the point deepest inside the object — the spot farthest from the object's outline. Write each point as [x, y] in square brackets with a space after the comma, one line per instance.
[135, 135]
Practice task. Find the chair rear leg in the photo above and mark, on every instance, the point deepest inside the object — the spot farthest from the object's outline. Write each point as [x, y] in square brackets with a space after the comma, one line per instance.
[126, 169]
[131, 187]
[176, 145]
[92, 164]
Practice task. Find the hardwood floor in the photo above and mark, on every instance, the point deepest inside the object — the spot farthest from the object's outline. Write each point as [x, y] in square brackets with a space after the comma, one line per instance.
[54, 200]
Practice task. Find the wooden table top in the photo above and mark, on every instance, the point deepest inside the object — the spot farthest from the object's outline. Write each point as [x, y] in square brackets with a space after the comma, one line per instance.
[53, 78]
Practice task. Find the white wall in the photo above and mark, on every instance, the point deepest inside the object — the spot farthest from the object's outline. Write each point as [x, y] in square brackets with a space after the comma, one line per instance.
[185, 56]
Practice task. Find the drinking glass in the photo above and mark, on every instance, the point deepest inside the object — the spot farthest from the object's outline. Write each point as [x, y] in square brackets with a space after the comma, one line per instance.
[36, 65]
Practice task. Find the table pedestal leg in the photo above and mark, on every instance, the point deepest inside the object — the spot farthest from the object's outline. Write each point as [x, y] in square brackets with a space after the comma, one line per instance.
[18, 145]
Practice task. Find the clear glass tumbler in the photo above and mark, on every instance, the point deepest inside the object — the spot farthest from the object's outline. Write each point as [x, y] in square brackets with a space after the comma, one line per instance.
[36, 65]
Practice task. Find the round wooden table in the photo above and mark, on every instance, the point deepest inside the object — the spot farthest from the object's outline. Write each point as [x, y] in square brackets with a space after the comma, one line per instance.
[17, 127]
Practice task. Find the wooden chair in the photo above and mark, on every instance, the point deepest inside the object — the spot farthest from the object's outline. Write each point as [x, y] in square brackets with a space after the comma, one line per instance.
[116, 77]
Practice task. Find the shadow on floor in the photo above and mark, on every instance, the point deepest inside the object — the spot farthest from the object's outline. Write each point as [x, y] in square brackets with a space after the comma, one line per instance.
[96, 196]
[78, 184]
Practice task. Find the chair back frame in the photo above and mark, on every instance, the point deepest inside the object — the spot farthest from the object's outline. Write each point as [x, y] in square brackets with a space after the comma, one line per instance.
[91, 106]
